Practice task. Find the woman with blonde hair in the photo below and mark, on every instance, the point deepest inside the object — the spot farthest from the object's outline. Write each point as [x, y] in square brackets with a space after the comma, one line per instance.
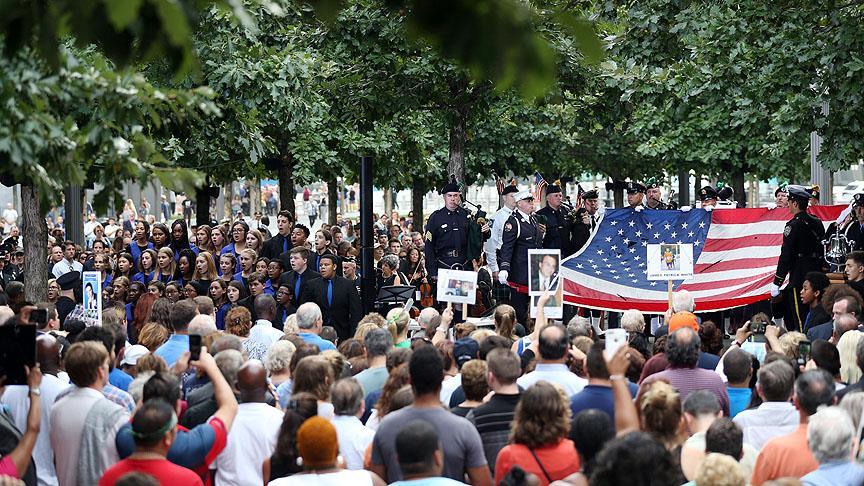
[254, 240]
[850, 373]
[397, 324]
[166, 267]
[247, 266]
[538, 436]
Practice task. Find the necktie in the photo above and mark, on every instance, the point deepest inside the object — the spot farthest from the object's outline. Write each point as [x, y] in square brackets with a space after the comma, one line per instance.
[284, 244]
[329, 293]
[297, 287]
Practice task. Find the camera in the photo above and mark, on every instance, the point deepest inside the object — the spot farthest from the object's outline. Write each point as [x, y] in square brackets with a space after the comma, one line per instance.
[757, 326]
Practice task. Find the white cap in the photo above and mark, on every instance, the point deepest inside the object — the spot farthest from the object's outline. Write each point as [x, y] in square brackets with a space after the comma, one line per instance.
[523, 195]
[130, 357]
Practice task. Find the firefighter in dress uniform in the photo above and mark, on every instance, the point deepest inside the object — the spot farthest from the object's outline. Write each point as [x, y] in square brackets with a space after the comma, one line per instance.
[500, 293]
[802, 252]
[447, 234]
[521, 233]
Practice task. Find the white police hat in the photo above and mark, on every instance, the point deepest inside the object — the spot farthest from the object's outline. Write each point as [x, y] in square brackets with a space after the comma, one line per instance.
[523, 195]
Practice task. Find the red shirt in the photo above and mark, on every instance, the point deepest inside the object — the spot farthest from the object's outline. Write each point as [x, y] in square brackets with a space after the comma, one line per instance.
[560, 460]
[163, 470]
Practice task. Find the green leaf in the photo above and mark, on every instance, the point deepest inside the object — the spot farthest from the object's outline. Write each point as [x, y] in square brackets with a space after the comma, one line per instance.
[121, 13]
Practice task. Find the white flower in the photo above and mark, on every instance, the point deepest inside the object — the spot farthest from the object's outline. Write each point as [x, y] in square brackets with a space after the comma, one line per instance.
[121, 145]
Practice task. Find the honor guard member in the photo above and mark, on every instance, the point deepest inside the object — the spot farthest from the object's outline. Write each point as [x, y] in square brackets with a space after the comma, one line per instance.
[493, 244]
[653, 195]
[781, 198]
[521, 233]
[855, 229]
[447, 233]
[635, 194]
[586, 219]
[814, 195]
[708, 196]
[802, 252]
[558, 230]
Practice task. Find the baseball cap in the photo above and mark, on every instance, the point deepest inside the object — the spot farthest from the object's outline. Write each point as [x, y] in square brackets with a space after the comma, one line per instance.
[132, 354]
[464, 350]
[683, 319]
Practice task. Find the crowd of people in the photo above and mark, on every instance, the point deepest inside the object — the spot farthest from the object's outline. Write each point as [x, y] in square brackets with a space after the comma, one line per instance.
[293, 384]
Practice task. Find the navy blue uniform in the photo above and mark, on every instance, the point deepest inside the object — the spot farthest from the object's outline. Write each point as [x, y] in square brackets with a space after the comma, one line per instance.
[802, 252]
[520, 234]
[446, 240]
[558, 230]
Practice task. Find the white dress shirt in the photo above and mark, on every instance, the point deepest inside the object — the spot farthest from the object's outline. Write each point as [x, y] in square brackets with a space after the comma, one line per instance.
[264, 333]
[354, 438]
[65, 266]
[497, 239]
[767, 421]
[252, 439]
[17, 397]
[554, 373]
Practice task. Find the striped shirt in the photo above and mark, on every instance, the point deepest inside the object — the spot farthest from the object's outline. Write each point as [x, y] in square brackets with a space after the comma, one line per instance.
[687, 380]
[492, 420]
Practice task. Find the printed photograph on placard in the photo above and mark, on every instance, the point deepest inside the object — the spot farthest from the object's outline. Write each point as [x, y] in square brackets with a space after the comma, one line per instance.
[457, 286]
[91, 297]
[544, 267]
[670, 261]
[554, 308]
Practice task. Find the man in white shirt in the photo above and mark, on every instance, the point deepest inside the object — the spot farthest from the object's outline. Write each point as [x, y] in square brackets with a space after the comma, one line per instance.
[10, 215]
[262, 334]
[354, 437]
[493, 244]
[776, 415]
[84, 423]
[554, 346]
[68, 263]
[16, 397]
[252, 438]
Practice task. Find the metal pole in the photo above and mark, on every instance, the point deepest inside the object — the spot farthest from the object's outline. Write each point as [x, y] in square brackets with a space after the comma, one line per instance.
[818, 174]
[367, 260]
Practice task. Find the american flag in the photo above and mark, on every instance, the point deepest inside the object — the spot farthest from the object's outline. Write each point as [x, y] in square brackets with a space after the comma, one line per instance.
[735, 254]
[539, 185]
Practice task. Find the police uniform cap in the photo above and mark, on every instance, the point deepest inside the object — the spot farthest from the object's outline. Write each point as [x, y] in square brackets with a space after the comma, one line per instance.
[590, 194]
[652, 183]
[553, 188]
[69, 280]
[634, 187]
[858, 199]
[800, 192]
[707, 193]
[814, 191]
[523, 195]
[450, 186]
[781, 188]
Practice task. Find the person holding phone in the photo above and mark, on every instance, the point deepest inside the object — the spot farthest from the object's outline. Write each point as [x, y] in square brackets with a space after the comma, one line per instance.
[17, 462]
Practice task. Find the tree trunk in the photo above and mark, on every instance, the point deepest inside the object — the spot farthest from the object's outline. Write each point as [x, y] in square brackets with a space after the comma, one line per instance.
[738, 187]
[697, 185]
[456, 160]
[683, 187]
[618, 197]
[202, 205]
[286, 185]
[255, 197]
[332, 200]
[35, 235]
[227, 198]
[418, 190]
[388, 201]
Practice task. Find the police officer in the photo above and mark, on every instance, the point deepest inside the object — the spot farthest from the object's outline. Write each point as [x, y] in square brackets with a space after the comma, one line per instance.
[586, 219]
[447, 233]
[635, 194]
[521, 233]
[553, 216]
[654, 195]
[855, 230]
[802, 252]
[493, 244]
[781, 198]
[708, 197]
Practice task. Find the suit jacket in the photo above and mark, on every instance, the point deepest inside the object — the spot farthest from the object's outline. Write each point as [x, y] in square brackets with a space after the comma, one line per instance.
[306, 278]
[815, 317]
[276, 246]
[822, 331]
[346, 310]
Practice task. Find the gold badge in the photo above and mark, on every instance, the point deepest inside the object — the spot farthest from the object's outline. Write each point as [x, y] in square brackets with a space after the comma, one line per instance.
[428, 236]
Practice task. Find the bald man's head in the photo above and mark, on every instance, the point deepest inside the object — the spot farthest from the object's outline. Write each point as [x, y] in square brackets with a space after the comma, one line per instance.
[252, 382]
[48, 354]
